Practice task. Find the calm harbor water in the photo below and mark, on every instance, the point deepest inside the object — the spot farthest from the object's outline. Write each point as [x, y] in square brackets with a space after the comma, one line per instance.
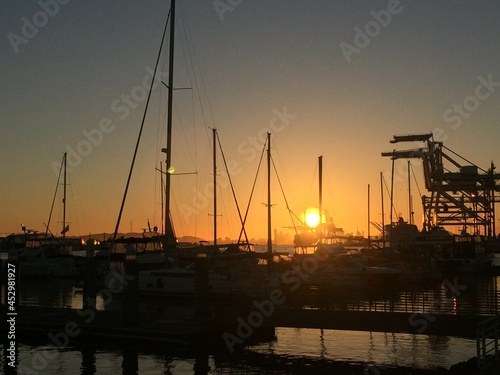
[292, 351]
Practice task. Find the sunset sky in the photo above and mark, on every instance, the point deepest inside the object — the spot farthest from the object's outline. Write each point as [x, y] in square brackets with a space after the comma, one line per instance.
[330, 78]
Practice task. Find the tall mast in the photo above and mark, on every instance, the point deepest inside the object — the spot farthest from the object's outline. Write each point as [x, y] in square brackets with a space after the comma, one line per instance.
[392, 197]
[214, 131]
[168, 151]
[64, 198]
[368, 213]
[161, 198]
[320, 208]
[410, 219]
[383, 219]
[269, 234]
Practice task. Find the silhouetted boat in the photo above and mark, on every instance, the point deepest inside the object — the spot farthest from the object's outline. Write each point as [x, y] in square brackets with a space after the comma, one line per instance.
[451, 253]
[45, 255]
[233, 269]
[335, 265]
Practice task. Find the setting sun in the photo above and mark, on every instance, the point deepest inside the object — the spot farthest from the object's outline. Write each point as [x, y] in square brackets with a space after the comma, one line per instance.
[312, 217]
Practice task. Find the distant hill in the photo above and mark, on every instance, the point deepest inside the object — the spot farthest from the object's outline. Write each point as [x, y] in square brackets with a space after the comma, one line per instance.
[106, 236]
[190, 239]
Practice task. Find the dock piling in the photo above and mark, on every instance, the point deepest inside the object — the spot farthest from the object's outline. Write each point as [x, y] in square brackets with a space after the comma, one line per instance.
[201, 287]
[131, 292]
[89, 278]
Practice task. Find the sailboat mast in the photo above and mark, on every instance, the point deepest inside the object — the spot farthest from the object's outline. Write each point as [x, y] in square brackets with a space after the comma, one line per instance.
[64, 198]
[214, 131]
[383, 215]
[409, 196]
[269, 234]
[168, 151]
[368, 214]
[320, 189]
[392, 199]
[161, 197]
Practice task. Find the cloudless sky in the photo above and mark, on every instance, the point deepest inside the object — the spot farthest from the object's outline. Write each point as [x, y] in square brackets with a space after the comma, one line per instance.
[299, 68]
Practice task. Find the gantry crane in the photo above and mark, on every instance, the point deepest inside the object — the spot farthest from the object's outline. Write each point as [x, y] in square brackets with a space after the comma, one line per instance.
[462, 194]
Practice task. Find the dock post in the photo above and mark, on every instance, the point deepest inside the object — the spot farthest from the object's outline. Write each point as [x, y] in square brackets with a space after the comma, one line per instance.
[131, 292]
[201, 287]
[89, 278]
[88, 365]
[130, 360]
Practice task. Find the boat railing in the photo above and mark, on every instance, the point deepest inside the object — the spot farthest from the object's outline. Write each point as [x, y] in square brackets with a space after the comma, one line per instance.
[487, 335]
[419, 302]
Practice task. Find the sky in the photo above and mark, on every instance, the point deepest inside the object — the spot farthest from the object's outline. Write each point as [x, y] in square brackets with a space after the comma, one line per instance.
[327, 78]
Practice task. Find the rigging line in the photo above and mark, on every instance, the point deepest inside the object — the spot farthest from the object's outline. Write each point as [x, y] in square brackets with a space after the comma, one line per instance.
[160, 129]
[415, 179]
[76, 221]
[188, 63]
[389, 194]
[277, 155]
[191, 71]
[176, 206]
[54, 199]
[276, 152]
[283, 191]
[75, 198]
[232, 191]
[290, 212]
[159, 134]
[181, 126]
[140, 132]
[316, 171]
[226, 214]
[329, 186]
[188, 38]
[468, 161]
[252, 191]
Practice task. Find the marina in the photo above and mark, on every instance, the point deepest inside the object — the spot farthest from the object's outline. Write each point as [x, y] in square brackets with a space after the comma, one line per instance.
[450, 311]
[228, 265]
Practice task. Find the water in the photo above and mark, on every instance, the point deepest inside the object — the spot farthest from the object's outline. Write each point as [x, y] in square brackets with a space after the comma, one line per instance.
[292, 351]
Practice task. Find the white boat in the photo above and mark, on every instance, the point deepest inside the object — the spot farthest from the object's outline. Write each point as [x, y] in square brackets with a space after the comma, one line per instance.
[43, 257]
[240, 273]
[48, 260]
[339, 266]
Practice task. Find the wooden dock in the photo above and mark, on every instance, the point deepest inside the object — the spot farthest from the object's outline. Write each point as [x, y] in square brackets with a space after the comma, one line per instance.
[63, 326]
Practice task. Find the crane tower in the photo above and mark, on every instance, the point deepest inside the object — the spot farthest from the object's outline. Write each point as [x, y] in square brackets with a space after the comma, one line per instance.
[460, 193]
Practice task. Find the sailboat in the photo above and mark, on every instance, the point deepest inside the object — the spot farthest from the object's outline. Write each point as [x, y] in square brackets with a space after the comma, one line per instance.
[339, 262]
[234, 270]
[45, 255]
